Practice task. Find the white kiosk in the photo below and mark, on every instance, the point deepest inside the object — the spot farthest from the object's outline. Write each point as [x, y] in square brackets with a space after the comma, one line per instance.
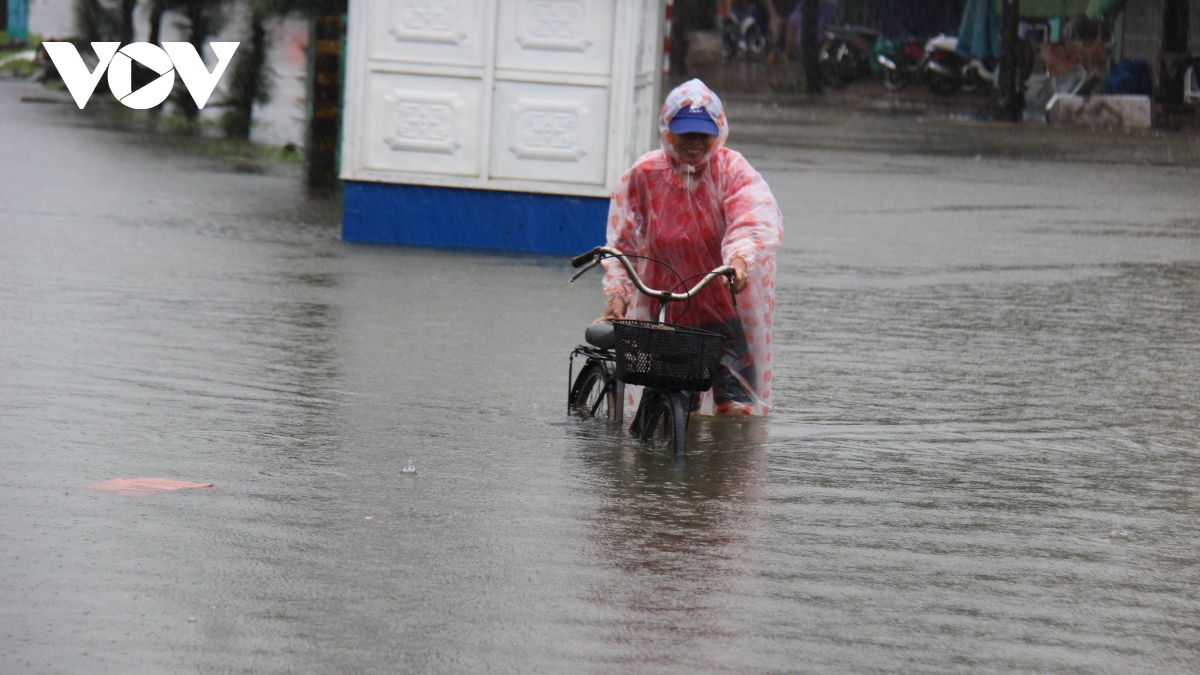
[497, 124]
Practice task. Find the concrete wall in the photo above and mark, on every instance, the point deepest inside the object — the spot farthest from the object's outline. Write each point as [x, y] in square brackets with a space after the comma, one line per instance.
[1101, 112]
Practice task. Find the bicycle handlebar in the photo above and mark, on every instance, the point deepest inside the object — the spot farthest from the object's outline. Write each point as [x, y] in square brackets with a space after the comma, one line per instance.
[601, 252]
[579, 260]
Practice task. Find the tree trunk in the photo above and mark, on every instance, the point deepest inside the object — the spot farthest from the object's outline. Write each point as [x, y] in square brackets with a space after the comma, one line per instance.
[249, 80]
[125, 35]
[199, 29]
[157, 9]
[89, 21]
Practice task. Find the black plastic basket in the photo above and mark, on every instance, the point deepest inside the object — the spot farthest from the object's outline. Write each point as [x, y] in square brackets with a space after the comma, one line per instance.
[664, 356]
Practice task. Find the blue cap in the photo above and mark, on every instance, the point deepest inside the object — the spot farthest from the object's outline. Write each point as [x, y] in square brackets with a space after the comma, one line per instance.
[693, 120]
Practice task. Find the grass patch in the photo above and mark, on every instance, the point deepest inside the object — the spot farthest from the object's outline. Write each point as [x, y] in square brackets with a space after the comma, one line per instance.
[200, 138]
[8, 49]
[238, 151]
[18, 67]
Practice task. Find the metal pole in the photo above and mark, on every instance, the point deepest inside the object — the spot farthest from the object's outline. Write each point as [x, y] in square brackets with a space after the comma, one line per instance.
[809, 45]
[1012, 88]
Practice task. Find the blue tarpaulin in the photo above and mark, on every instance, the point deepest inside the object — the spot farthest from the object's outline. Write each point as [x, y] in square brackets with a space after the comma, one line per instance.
[919, 20]
[979, 33]
[18, 20]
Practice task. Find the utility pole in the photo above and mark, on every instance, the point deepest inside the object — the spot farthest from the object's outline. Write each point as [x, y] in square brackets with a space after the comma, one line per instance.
[1012, 85]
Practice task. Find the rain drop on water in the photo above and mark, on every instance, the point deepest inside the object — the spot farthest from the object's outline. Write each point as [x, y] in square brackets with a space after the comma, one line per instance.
[409, 468]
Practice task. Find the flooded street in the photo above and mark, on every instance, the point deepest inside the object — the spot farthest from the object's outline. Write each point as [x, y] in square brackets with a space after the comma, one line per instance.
[983, 456]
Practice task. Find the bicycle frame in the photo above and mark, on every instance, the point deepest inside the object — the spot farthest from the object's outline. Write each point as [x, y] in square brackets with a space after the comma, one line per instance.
[678, 408]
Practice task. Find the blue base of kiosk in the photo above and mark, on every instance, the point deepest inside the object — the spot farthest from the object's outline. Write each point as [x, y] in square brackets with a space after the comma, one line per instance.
[419, 215]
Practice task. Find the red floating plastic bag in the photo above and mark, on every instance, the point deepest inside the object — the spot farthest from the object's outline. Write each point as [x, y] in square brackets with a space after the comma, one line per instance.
[138, 487]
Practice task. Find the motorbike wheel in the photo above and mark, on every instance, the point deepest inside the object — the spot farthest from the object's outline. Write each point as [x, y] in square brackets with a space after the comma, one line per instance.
[942, 85]
[894, 80]
[729, 42]
[971, 81]
[831, 77]
[828, 66]
[758, 43]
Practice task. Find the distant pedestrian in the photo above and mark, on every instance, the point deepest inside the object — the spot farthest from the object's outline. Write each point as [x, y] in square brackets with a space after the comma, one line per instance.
[826, 16]
[783, 32]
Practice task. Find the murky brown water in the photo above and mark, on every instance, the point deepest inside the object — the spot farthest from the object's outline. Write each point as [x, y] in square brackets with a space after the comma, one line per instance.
[983, 456]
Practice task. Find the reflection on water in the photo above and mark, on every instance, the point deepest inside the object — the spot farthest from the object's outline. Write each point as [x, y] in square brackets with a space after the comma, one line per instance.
[678, 537]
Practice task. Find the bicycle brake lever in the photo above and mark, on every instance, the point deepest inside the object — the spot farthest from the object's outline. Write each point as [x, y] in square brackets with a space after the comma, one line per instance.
[581, 272]
[731, 275]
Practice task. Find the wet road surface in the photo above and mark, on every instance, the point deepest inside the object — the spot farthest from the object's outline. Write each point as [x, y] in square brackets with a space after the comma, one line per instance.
[983, 456]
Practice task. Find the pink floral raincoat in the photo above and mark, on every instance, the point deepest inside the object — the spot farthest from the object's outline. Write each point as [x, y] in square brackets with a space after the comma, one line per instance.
[695, 218]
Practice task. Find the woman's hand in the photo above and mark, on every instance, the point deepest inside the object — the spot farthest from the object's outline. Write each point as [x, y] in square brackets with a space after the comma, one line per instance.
[740, 279]
[614, 311]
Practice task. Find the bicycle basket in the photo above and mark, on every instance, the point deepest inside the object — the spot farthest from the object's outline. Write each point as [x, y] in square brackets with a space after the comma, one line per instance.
[664, 356]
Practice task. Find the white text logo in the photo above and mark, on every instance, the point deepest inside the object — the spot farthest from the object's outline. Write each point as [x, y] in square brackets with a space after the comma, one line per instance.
[171, 58]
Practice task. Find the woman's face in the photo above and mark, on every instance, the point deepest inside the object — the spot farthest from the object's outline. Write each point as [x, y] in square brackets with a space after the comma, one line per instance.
[691, 148]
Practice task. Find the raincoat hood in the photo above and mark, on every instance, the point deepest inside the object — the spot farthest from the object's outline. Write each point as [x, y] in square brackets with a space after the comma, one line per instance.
[688, 94]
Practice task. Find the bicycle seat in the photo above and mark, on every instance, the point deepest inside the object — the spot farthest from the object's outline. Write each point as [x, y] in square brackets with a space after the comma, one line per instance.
[600, 334]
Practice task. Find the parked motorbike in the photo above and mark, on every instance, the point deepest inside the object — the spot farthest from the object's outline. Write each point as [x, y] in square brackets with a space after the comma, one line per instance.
[844, 54]
[904, 67]
[947, 71]
[980, 75]
[746, 31]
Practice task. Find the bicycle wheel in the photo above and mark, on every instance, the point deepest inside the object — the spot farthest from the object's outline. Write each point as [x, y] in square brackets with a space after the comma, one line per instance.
[593, 394]
[661, 420]
[830, 75]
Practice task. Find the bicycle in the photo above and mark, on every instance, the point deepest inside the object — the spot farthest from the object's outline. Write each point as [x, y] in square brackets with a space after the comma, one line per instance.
[672, 362]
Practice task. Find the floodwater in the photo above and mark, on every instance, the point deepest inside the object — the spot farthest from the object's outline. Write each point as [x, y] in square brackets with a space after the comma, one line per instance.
[983, 456]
